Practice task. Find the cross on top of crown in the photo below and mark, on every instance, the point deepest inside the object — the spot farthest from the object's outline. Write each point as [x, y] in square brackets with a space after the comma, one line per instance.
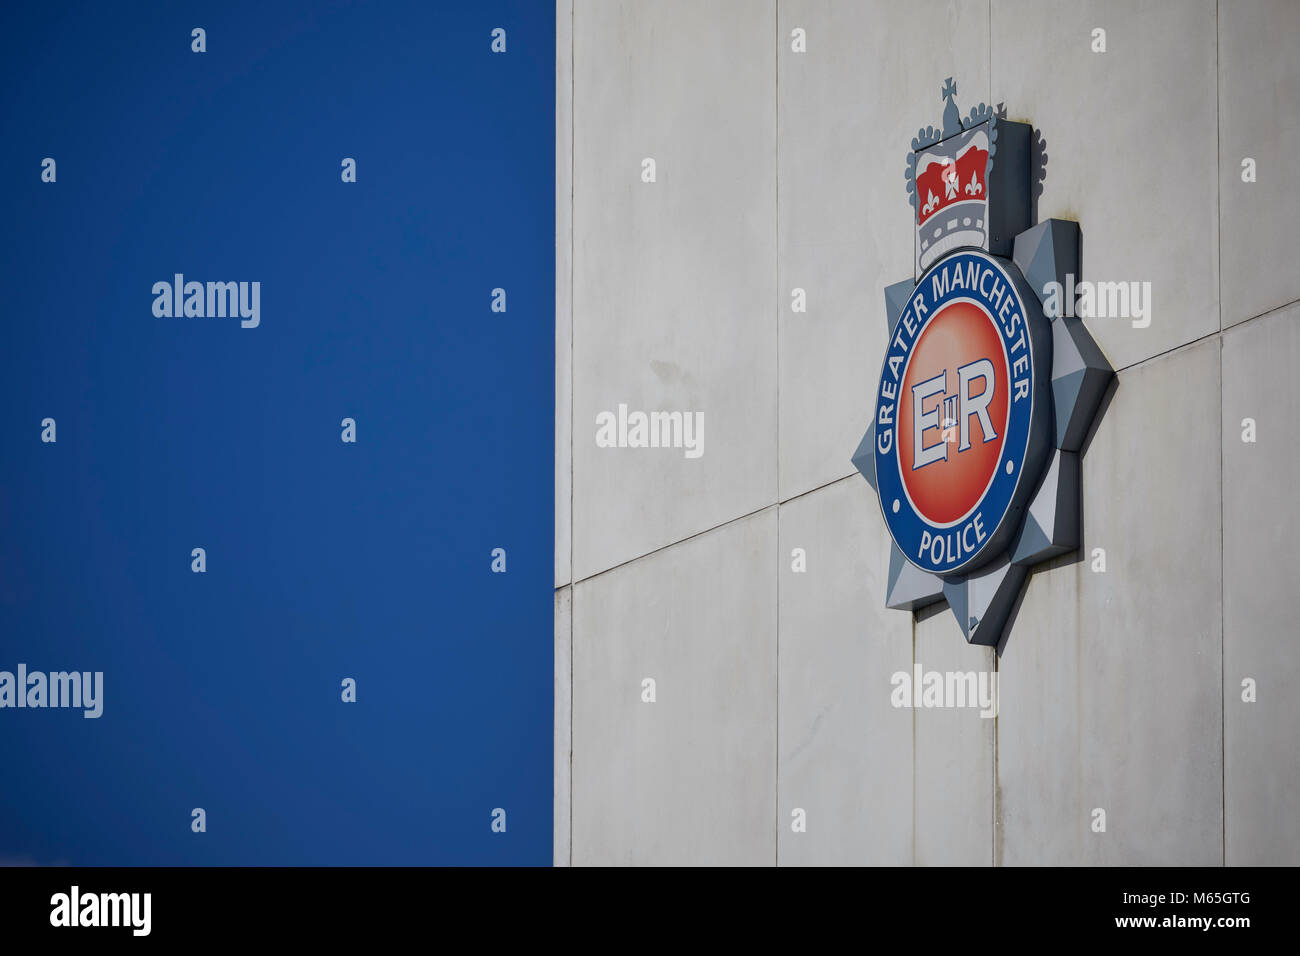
[952, 123]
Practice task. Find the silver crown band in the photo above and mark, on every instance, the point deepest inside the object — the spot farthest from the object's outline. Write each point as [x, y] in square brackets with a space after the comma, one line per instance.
[961, 224]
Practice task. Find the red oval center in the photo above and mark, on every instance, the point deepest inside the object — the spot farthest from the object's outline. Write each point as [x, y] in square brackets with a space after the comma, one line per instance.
[953, 412]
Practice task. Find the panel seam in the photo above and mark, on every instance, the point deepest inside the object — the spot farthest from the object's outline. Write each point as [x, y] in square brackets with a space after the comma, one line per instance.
[1223, 633]
[776, 254]
[573, 126]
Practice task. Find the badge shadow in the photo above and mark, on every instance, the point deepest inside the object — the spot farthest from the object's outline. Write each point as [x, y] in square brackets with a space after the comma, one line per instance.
[1078, 554]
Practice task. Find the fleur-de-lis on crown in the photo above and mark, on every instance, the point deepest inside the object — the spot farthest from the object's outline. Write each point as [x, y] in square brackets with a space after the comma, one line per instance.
[952, 125]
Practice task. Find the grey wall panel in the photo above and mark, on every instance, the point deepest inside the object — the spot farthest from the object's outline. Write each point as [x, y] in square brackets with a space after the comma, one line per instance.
[1261, 604]
[845, 751]
[691, 778]
[847, 111]
[1259, 89]
[1111, 682]
[1131, 145]
[954, 754]
[563, 291]
[563, 723]
[674, 281]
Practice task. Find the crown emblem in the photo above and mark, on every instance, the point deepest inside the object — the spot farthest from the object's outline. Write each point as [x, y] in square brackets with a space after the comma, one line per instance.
[968, 182]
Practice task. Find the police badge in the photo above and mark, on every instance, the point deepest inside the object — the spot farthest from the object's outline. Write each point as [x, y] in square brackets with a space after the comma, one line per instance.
[984, 398]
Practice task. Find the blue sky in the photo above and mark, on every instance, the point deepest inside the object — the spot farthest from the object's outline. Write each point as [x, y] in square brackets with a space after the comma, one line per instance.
[325, 560]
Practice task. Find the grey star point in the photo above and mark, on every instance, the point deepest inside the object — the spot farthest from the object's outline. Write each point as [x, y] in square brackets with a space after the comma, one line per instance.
[982, 601]
[910, 588]
[1051, 524]
[896, 296]
[1080, 375]
[864, 459]
[1048, 252]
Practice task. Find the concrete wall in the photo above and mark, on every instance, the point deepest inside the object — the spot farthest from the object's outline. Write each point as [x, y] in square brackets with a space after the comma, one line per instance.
[1121, 689]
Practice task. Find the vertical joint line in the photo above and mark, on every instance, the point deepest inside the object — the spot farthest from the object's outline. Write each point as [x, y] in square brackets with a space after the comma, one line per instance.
[1223, 633]
[776, 272]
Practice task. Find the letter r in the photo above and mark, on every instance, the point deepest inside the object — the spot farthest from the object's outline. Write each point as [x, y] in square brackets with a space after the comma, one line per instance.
[978, 405]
